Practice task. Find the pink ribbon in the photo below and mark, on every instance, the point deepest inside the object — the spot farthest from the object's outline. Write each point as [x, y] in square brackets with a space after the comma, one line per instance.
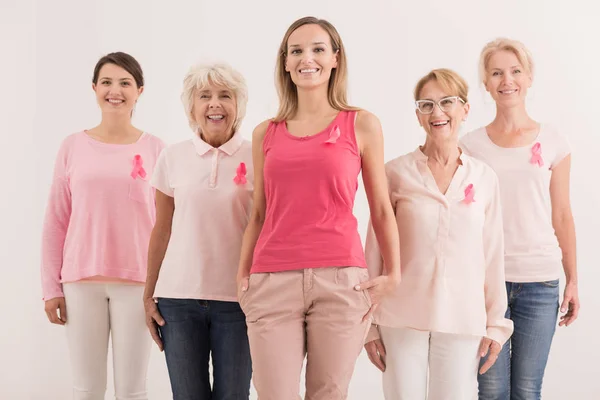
[138, 169]
[536, 155]
[240, 174]
[334, 135]
[469, 194]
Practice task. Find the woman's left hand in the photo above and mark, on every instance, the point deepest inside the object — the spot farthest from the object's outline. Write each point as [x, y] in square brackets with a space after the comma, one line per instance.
[378, 288]
[570, 305]
[491, 346]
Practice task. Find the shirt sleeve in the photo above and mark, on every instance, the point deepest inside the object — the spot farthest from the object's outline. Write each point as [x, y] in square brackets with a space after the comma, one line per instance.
[54, 230]
[499, 328]
[563, 148]
[160, 176]
[373, 334]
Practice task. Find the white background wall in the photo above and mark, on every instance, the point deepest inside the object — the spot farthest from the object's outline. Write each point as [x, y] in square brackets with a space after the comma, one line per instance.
[48, 50]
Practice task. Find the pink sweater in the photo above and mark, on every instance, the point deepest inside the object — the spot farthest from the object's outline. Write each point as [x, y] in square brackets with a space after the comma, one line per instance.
[310, 185]
[100, 212]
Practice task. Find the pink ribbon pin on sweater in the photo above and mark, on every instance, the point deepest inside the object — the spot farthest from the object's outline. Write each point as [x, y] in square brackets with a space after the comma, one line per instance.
[240, 174]
[138, 169]
[536, 155]
[334, 135]
[469, 194]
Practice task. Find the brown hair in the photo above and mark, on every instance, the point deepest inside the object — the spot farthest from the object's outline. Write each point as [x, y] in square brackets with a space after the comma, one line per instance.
[338, 82]
[449, 80]
[123, 60]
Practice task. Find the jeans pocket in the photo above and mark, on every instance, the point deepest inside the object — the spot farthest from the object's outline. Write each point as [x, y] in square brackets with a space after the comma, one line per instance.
[553, 284]
[139, 190]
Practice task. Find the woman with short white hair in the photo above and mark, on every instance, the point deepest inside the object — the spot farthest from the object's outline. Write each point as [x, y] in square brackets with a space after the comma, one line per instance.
[203, 202]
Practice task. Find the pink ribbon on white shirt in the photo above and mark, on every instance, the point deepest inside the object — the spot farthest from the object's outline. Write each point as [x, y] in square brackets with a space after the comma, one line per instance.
[138, 169]
[334, 135]
[469, 194]
[536, 155]
[240, 174]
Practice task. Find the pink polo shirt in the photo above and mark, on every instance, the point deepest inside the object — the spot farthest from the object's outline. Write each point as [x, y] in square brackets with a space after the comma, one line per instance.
[100, 212]
[451, 251]
[532, 253]
[213, 201]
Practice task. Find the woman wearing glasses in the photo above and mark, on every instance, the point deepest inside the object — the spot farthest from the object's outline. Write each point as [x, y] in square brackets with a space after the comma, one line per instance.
[449, 307]
[533, 165]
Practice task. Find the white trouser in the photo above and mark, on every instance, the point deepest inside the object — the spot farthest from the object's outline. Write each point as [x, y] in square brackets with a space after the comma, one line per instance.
[95, 309]
[452, 362]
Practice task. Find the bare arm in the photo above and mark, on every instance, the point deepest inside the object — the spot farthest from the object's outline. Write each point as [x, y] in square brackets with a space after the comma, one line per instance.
[370, 138]
[564, 226]
[159, 240]
[257, 217]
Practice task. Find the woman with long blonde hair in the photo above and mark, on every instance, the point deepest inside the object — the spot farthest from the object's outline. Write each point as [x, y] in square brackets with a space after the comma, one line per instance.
[302, 276]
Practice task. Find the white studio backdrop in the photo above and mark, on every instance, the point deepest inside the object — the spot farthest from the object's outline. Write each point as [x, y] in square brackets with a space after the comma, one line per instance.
[48, 50]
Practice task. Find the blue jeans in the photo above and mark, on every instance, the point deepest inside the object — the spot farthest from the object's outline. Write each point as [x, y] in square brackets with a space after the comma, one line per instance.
[197, 329]
[519, 370]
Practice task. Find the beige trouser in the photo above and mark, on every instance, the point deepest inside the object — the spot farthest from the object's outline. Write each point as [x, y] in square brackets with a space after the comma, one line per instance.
[312, 312]
[95, 311]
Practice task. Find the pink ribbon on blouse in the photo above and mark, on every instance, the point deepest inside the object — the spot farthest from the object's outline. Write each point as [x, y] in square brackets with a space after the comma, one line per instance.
[138, 169]
[240, 174]
[536, 155]
[469, 194]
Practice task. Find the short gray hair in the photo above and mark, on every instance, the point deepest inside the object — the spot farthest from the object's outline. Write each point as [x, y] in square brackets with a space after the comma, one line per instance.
[201, 75]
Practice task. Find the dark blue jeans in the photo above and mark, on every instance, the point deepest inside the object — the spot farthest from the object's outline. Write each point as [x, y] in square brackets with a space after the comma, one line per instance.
[197, 329]
[519, 370]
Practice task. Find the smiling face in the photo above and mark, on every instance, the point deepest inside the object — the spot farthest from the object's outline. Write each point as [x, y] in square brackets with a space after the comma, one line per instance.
[215, 111]
[116, 90]
[507, 80]
[441, 124]
[310, 56]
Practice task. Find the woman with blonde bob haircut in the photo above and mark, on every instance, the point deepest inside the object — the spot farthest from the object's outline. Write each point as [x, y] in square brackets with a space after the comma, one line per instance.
[302, 273]
[533, 162]
[203, 198]
[428, 336]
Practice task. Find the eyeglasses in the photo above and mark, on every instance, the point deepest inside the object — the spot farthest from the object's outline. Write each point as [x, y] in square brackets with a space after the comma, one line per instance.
[446, 104]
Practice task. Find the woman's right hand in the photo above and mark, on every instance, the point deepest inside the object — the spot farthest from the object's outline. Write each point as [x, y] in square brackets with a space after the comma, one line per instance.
[243, 282]
[153, 319]
[56, 310]
[376, 352]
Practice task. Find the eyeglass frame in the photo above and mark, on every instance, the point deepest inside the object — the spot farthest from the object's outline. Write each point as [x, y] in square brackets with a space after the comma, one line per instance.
[417, 102]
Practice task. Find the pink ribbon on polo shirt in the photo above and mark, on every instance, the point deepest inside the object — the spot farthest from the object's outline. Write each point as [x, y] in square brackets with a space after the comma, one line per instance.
[536, 155]
[138, 169]
[334, 135]
[240, 174]
[469, 194]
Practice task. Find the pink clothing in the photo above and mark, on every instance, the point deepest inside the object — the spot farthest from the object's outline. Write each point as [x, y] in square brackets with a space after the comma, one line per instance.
[451, 251]
[532, 253]
[212, 190]
[310, 185]
[100, 212]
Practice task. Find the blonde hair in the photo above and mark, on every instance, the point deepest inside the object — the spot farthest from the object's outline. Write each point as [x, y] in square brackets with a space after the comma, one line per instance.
[338, 82]
[504, 44]
[200, 76]
[450, 81]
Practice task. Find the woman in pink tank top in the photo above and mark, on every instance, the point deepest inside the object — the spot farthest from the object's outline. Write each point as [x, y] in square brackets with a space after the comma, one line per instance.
[302, 277]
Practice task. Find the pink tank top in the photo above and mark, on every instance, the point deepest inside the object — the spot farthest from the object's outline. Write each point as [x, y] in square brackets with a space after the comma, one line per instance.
[310, 184]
